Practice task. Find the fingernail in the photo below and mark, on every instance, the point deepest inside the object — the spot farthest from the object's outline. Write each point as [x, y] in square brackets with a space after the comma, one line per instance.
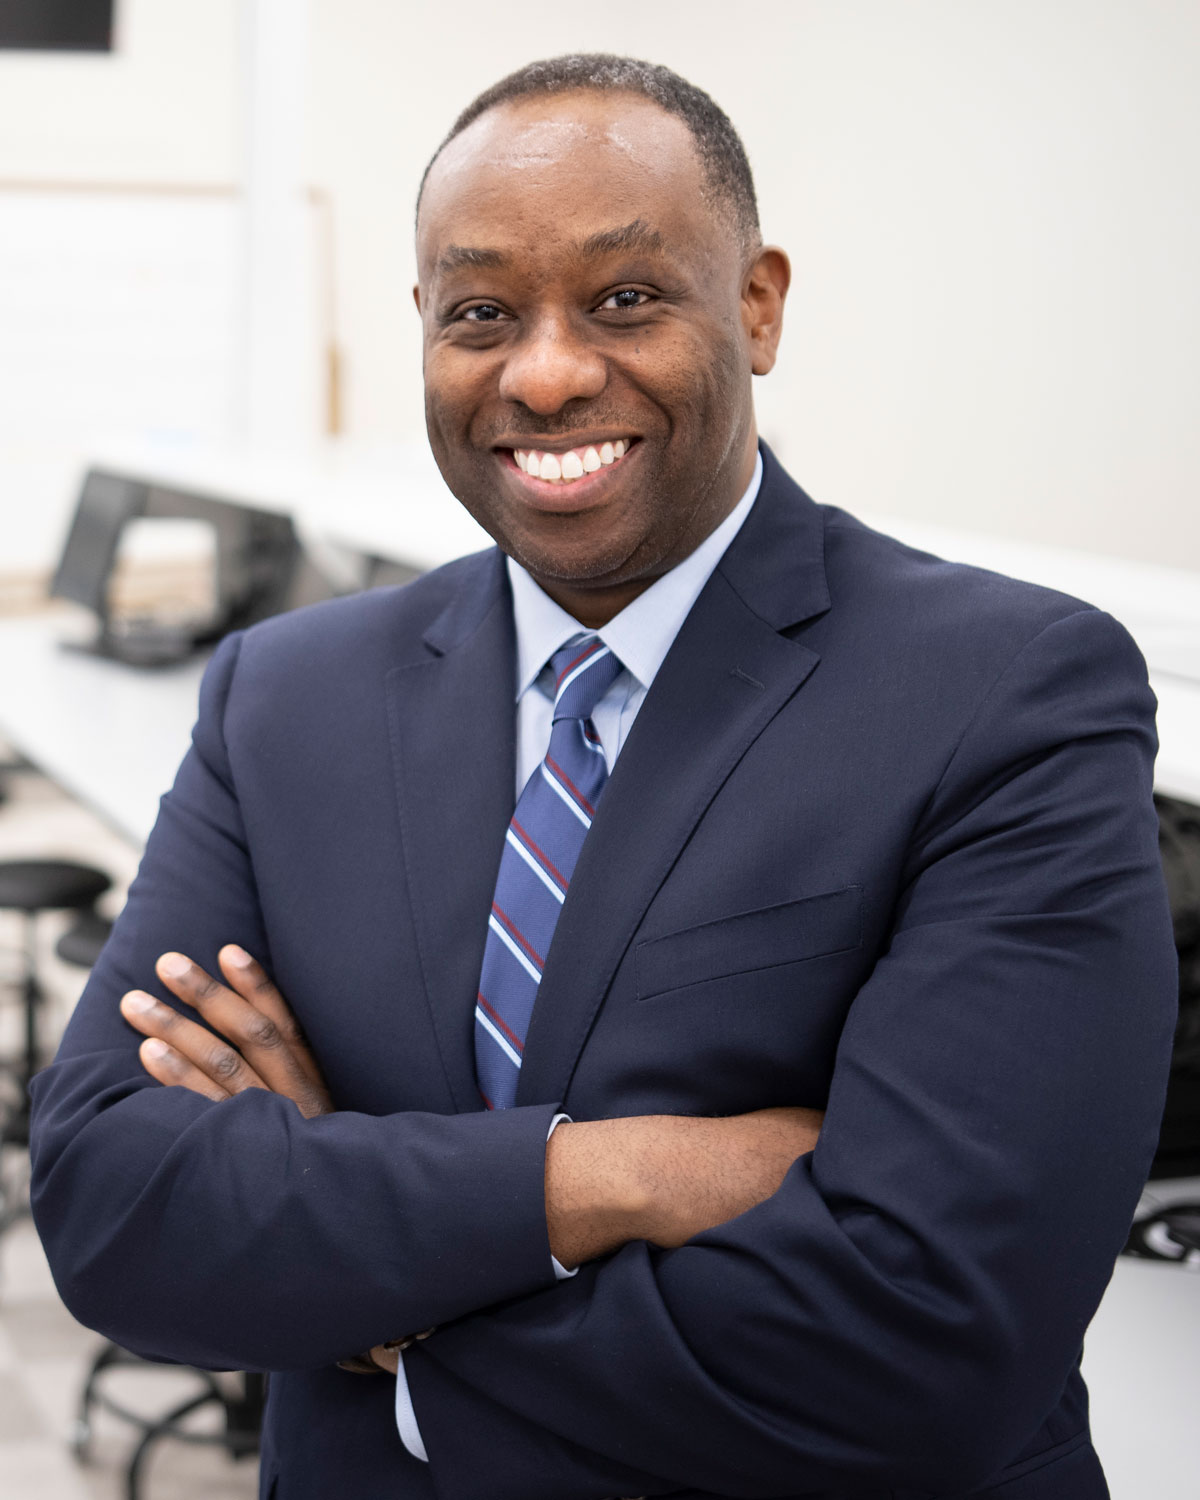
[236, 956]
[138, 1000]
[155, 1048]
[174, 965]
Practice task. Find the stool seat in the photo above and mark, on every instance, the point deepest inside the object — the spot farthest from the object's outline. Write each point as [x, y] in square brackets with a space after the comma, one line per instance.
[83, 940]
[32, 885]
[29, 887]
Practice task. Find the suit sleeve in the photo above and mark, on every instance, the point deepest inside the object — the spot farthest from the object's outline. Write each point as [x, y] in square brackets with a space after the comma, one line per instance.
[240, 1235]
[904, 1312]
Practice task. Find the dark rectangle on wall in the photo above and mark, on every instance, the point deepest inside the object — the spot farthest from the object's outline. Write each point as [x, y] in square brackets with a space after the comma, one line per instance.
[57, 25]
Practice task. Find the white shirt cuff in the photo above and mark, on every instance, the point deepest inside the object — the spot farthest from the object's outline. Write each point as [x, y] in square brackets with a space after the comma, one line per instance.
[406, 1416]
[560, 1271]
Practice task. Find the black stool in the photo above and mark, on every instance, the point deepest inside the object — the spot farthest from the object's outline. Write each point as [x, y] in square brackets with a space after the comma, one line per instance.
[242, 1410]
[83, 940]
[31, 887]
[241, 1405]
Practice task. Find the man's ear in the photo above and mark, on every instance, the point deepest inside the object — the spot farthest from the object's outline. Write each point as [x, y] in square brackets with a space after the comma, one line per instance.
[417, 297]
[764, 291]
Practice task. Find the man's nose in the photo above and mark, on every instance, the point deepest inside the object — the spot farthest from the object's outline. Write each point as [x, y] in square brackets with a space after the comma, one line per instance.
[550, 364]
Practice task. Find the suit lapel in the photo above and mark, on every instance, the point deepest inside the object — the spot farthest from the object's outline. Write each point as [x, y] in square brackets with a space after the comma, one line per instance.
[725, 678]
[452, 721]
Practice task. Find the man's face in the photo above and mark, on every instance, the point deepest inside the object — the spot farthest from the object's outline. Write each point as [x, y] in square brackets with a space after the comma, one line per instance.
[590, 330]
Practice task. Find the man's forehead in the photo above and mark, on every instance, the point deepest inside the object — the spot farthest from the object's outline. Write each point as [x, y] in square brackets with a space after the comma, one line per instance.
[525, 144]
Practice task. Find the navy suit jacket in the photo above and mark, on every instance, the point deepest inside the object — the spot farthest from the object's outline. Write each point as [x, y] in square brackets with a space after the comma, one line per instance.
[880, 842]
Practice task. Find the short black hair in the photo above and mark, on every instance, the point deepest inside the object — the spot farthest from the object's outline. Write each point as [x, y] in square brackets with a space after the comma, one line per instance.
[718, 145]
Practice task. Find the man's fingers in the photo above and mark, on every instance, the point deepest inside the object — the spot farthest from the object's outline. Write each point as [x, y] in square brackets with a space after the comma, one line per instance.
[275, 1052]
[216, 1060]
[386, 1359]
[253, 983]
[252, 1032]
[167, 1066]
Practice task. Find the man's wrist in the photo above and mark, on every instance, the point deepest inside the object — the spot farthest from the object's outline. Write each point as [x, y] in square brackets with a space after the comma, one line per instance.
[595, 1197]
[665, 1178]
[561, 1272]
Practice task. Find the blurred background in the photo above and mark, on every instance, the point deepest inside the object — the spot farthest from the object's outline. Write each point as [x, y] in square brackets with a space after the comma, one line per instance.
[211, 408]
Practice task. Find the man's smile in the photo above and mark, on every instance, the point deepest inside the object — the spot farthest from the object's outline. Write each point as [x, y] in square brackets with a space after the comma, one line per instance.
[568, 479]
[573, 463]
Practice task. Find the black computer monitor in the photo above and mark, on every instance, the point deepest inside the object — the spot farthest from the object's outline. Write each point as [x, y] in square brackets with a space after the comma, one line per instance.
[57, 25]
[256, 554]
[106, 503]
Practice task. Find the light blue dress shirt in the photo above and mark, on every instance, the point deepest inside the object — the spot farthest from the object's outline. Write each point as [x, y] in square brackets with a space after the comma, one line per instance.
[640, 636]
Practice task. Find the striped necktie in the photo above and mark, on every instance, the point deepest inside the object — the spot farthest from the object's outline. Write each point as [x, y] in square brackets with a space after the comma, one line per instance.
[542, 844]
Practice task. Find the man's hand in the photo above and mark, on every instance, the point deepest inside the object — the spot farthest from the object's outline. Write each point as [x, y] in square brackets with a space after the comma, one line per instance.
[664, 1178]
[265, 1048]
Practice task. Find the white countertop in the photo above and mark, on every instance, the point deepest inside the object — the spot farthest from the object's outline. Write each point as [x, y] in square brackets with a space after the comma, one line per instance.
[110, 735]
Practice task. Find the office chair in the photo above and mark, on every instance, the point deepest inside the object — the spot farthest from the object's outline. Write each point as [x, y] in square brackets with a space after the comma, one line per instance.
[1169, 1229]
[1172, 1233]
[1178, 1153]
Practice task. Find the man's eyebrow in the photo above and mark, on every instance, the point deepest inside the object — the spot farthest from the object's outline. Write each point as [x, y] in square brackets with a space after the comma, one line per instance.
[460, 257]
[635, 236]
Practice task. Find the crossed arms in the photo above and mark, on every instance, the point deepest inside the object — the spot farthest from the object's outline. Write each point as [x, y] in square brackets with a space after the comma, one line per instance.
[660, 1178]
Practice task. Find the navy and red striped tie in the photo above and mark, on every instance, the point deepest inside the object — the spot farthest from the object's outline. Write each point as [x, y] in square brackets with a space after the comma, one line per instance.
[542, 844]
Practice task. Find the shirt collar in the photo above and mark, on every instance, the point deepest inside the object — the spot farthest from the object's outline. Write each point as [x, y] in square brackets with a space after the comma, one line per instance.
[641, 635]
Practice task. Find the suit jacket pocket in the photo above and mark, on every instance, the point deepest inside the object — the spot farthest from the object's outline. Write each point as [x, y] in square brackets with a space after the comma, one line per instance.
[811, 927]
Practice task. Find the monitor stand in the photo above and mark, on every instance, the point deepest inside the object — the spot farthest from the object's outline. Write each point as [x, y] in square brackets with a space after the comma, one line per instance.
[141, 641]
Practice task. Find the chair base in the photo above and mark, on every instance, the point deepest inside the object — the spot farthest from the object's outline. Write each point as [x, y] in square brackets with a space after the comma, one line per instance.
[239, 1435]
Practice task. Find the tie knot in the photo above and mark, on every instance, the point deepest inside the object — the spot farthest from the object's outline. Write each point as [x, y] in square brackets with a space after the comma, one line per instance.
[584, 669]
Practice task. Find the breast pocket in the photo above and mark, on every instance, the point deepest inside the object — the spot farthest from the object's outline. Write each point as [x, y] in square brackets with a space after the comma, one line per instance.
[795, 931]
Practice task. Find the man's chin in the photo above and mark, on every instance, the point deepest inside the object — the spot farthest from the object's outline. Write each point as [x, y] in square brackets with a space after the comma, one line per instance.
[569, 548]
[572, 569]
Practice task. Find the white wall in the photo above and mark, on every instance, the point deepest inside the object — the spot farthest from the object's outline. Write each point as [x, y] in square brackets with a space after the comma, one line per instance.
[991, 207]
[162, 107]
[116, 310]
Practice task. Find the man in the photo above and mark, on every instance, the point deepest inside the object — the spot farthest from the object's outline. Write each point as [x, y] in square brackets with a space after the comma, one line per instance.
[827, 834]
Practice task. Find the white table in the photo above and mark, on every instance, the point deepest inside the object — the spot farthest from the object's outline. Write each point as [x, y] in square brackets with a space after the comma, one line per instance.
[110, 735]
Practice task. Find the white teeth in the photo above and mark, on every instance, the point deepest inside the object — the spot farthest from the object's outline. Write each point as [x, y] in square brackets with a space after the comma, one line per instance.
[560, 468]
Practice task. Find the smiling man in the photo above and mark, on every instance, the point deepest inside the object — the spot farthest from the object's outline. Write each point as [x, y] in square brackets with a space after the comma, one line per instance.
[607, 874]
[595, 301]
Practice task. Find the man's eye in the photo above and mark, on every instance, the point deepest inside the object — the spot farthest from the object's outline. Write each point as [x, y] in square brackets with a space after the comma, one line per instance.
[627, 297]
[484, 312]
